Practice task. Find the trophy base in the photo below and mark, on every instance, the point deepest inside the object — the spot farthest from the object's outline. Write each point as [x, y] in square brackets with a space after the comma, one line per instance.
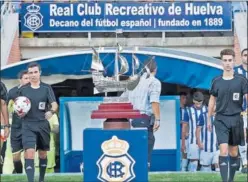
[117, 112]
[116, 124]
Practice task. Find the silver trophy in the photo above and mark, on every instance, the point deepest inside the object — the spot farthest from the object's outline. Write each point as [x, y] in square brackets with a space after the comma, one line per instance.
[105, 84]
[113, 84]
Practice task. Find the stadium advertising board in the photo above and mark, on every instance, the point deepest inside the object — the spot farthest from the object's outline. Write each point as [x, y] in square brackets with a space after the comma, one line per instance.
[129, 17]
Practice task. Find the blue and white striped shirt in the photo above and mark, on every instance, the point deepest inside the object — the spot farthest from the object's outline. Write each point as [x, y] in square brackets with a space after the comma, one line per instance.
[147, 91]
[182, 110]
[208, 138]
[191, 117]
[240, 70]
[182, 115]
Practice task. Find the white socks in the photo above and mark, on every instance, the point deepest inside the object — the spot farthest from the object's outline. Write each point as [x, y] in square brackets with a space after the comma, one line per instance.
[184, 164]
[243, 154]
[206, 169]
[193, 166]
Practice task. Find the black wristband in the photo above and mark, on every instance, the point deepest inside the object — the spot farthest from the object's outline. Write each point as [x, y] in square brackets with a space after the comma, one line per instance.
[7, 126]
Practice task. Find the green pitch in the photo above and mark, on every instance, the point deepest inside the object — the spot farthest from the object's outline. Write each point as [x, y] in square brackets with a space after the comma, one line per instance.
[208, 177]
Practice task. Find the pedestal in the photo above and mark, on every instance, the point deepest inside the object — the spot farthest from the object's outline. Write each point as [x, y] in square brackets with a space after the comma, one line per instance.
[115, 153]
[116, 124]
[117, 115]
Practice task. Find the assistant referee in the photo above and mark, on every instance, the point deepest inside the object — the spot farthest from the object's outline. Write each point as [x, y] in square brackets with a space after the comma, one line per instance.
[227, 91]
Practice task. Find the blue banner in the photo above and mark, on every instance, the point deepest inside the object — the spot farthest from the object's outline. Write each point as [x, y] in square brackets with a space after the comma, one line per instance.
[129, 17]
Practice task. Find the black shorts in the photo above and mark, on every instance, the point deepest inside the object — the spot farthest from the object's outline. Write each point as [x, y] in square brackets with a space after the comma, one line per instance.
[16, 139]
[229, 129]
[3, 150]
[36, 135]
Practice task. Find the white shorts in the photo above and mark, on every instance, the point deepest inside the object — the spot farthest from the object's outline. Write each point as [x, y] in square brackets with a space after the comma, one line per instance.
[193, 151]
[208, 158]
[245, 121]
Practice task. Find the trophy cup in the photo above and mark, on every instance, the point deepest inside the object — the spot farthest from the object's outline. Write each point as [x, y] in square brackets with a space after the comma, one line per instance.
[113, 153]
[116, 110]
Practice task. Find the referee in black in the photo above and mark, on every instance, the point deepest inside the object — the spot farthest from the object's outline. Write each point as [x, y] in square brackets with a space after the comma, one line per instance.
[16, 132]
[5, 123]
[35, 125]
[227, 93]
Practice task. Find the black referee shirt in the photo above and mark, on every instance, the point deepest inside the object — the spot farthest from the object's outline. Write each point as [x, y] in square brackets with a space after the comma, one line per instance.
[40, 99]
[229, 94]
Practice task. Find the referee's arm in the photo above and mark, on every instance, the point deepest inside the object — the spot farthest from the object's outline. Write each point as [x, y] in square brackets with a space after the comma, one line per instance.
[246, 97]
[52, 100]
[211, 108]
[211, 105]
[245, 91]
[5, 112]
[4, 108]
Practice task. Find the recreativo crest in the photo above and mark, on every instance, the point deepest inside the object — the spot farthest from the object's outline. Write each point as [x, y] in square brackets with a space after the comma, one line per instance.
[115, 164]
[33, 18]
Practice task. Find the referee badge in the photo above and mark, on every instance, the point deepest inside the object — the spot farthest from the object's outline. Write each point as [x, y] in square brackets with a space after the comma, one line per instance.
[235, 96]
[42, 105]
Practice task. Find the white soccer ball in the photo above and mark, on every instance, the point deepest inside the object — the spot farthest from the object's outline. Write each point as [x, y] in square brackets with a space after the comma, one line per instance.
[22, 105]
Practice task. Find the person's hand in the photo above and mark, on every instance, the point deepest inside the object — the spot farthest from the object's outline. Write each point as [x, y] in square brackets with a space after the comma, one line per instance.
[200, 145]
[156, 125]
[187, 135]
[245, 113]
[48, 115]
[21, 115]
[6, 132]
[209, 125]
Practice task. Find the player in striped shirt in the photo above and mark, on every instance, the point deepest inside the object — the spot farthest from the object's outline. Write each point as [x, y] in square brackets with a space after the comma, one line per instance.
[183, 99]
[207, 142]
[190, 119]
[242, 69]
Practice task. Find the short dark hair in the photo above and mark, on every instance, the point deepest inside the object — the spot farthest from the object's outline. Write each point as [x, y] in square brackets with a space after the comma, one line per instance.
[151, 64]
[227, 52]
[244, 51]
[21, 73]
[32, 65]
[198, 96]
[183, 94]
